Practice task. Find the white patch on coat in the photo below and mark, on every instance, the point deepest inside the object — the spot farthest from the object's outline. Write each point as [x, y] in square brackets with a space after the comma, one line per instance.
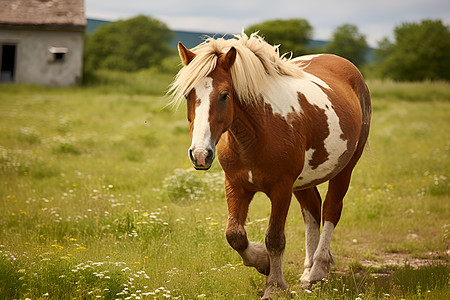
[306, 57]
[282, 94]
[250, 176]
[334, 144]
[201, 136]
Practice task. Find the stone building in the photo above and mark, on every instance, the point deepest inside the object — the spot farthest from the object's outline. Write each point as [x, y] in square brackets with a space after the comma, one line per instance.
[41, 41]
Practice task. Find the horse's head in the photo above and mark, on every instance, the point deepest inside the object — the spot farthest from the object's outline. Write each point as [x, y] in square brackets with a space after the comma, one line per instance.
[209, 108]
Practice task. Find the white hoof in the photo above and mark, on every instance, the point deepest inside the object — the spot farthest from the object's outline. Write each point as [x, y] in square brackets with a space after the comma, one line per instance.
[256, 256]
[304, 279]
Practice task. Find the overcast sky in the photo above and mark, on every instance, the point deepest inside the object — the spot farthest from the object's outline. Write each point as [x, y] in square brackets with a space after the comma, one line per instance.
[376, 18]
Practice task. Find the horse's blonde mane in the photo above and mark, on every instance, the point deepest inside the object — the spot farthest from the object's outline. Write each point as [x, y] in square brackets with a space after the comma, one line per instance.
[257, 65]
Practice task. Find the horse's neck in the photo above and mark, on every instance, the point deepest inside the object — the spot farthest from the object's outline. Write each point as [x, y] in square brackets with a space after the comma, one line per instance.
[248, 124]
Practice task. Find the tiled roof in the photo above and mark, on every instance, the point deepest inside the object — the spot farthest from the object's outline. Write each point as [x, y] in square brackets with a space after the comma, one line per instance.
[51, 13]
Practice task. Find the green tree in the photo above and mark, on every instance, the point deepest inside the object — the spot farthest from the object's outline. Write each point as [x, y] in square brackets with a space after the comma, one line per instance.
[420, 51]
[383, 49]
[292, 35]
[348, 42]
[128, 45]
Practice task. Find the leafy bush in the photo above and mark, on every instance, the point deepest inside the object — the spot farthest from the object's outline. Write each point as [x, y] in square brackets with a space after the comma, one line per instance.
[420, 51]
[128, 45]
[348, 42]
[291, 35]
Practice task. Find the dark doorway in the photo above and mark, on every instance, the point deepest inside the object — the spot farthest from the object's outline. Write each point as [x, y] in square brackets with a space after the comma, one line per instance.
[8, 65]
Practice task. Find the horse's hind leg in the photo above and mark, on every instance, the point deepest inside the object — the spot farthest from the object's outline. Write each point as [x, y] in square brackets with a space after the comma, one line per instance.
[311, 204]
[332, 208]
[253, 254]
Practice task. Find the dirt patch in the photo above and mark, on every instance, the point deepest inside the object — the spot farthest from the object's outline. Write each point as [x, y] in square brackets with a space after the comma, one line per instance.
[395, 260]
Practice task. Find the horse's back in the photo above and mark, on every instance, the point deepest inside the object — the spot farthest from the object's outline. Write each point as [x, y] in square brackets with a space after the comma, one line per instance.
[329, 66]
[336, 71]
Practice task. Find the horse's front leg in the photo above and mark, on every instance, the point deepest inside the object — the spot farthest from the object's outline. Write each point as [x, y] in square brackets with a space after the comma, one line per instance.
[253, 254]
[280, 197]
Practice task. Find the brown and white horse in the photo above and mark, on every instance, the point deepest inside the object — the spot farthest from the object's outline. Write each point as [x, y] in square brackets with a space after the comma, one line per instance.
[281, 126]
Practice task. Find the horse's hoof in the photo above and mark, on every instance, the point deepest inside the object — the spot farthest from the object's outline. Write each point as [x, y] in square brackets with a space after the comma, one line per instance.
[305, 284]
[276, 291]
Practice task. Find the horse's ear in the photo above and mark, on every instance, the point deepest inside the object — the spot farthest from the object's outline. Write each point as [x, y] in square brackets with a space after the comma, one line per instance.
[185, 54]
[229, 58]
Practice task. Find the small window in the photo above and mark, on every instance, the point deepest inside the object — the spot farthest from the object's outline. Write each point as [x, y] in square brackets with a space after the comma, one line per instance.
[59, 53]
[58, 56]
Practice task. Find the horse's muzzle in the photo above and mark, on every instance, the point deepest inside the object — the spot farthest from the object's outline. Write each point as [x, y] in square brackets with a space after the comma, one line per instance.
[202, 159]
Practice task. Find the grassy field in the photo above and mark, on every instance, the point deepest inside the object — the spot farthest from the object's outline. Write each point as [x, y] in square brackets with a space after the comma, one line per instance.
[99, 200]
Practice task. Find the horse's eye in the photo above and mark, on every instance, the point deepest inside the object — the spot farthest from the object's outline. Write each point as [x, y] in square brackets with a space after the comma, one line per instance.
[223, 96]
[186, 96]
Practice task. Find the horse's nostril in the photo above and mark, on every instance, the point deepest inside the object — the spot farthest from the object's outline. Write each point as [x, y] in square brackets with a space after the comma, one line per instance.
[210, 156]
[191, 156]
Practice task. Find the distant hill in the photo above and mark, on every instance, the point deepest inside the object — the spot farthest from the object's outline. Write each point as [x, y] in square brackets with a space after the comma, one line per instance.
[191, 39]
[94, 24]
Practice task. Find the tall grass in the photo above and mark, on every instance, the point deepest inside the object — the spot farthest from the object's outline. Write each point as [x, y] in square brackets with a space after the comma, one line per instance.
[147, 82]
[98, 200]
[410, 91]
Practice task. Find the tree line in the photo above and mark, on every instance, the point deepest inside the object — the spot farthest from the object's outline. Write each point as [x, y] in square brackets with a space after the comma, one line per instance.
[419, 51]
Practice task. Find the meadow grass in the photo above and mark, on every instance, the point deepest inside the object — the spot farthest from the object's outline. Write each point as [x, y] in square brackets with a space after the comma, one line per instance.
[99, 200]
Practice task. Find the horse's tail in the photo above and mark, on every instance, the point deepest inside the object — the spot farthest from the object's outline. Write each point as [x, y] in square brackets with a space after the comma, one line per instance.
[366, 108]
